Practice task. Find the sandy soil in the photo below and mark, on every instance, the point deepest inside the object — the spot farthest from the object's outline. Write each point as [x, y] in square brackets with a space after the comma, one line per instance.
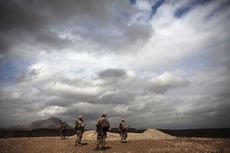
[152, 141]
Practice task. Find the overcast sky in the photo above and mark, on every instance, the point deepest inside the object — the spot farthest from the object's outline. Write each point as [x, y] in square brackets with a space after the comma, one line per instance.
[156, 63]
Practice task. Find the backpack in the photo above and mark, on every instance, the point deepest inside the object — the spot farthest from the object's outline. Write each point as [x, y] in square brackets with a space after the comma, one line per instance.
[124, 127]
[104, 124]
[64, 126]
[80, 124]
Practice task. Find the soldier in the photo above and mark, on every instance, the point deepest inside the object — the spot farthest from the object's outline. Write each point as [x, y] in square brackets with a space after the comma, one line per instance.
[123, 129]
[79, 128]
[62, 129]
[102, 128]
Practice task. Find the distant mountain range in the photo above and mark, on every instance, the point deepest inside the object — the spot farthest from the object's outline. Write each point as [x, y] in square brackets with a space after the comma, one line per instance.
[52, 122]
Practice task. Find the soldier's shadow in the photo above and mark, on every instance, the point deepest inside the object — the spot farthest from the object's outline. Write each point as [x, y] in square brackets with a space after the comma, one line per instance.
[107, 147]
[101, 149]
[85, 143]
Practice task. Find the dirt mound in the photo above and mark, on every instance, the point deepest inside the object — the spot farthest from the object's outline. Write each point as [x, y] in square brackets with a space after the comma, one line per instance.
[150, 134]
[156, 134]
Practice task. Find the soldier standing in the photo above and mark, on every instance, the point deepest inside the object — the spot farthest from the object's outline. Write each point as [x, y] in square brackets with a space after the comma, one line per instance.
[123, 129]
[79, 128]
[102, 128]
[62, 129]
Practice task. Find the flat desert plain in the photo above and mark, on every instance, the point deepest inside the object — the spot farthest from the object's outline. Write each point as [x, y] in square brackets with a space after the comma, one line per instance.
[151, 141]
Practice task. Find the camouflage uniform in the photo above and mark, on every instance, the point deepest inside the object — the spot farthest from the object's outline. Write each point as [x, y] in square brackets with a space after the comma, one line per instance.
[123, 131]
[102, 131]
[62, 129]
[79, 128]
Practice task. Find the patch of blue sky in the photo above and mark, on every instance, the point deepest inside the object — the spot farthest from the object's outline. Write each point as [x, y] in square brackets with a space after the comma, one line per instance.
[220, 8]
[196, 63]
[132, 2]
[155, 6]
[7, 71]
[10, 70]
[201, 2]
[147, 15]
[125, 14]
[121, 15]
[183, 10]
[143, 18]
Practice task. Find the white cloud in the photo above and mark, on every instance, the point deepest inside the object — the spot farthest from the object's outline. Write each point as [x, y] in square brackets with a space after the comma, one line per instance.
[63, 89]
[166, 81]
[51, 111]
[143, 5]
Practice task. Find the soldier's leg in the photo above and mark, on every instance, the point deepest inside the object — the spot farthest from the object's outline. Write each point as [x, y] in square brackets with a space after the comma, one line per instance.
[98, 139]
[80, 137]
[121, 135]
[63, 134]
[75, 143]
[98, 142]
[103, 140]
[126, 135]
[77, 139]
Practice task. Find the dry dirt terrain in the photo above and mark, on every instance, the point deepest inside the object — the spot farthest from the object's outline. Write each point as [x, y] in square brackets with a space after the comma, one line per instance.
[151, 141]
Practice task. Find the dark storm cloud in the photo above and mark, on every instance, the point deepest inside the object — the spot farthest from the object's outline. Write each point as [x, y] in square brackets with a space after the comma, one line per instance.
[39, 24]
[137, 33]
[119, 38]
[17, 19]
[117, 79]
[112, 73]
[17, 15]
[208, 111]
[113, 111]
[16, 103]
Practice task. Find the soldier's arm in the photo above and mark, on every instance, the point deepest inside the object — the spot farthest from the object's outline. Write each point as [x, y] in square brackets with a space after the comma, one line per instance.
[98, 123]
[109, 124]
[76, 125]
[119, 127]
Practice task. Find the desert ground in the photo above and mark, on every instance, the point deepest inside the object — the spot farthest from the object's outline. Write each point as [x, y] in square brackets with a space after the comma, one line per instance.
[151, 141]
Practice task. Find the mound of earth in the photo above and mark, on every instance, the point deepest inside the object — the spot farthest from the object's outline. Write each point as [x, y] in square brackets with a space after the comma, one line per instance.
[156, 134]
[150, 134]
